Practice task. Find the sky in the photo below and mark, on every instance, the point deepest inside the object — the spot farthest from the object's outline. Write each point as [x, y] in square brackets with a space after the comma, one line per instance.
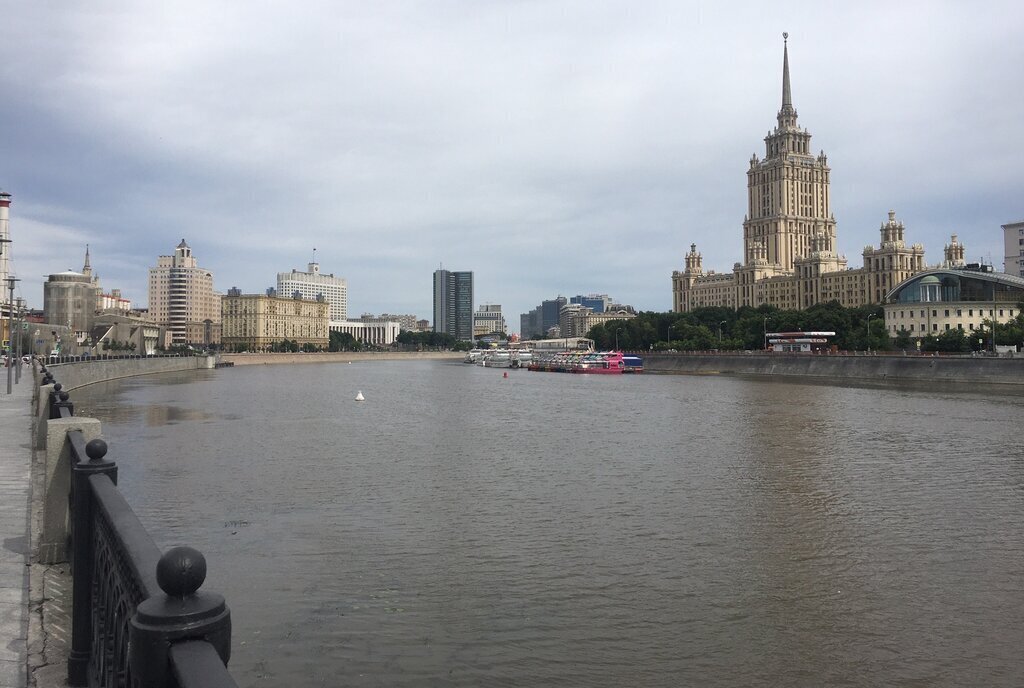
[551, 147]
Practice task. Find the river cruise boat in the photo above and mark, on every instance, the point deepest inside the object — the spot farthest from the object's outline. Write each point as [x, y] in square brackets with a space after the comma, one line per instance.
[583, 362]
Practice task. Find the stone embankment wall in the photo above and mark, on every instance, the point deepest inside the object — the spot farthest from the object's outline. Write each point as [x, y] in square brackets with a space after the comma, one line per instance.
[337, 357]
[79, 374]
[881, 367]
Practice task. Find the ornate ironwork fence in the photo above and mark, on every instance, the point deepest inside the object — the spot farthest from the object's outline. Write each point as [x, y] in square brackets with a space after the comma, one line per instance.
[138, 617]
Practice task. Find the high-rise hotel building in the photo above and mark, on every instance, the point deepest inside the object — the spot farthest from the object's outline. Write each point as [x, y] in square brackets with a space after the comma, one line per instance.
[181, 297]
[312, 284]
[453, 304]
[789, 236]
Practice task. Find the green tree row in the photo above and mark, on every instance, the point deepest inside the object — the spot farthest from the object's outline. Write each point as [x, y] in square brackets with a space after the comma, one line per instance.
[857, 329]
[431, 340]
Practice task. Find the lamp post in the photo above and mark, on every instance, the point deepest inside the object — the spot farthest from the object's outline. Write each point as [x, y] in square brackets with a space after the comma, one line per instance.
[870, 315]
[617, 338]
[670, 326]
[720, 333]
[16, 344]
[10, 328]
[766, 333]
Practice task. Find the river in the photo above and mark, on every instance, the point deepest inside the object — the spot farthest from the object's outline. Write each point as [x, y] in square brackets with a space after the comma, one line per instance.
[462, 528]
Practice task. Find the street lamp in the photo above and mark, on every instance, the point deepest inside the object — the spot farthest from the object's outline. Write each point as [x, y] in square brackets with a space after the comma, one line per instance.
[870, 315]
[669, 335]
[720, 332]
[766, 319]
[617, 338]
[16, 345]
[10, 328]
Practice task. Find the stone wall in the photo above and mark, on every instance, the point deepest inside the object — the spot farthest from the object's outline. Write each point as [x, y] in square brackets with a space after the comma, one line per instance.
[79, 374]
[988, 370]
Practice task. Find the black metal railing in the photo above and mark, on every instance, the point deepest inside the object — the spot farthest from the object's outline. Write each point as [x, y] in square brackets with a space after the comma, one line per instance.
[55, 359]
[138, 618]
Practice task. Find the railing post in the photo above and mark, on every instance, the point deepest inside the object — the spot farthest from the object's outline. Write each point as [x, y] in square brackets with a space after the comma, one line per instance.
[60, 399]
[82, 508]
[182, 613]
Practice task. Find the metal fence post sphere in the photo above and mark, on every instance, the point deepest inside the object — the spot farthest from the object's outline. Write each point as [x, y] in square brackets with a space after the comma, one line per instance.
[181, 571]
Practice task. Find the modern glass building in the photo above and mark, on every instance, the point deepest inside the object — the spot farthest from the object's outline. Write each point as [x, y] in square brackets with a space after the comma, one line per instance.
[967, 298]
[453, 304]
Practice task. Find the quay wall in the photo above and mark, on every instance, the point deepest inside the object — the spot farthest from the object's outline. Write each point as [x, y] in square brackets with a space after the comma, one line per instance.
[337, 357]
[867, 367]
[82, 373]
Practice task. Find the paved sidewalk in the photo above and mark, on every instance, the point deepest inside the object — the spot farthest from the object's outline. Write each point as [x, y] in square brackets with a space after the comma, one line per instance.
[15, 480]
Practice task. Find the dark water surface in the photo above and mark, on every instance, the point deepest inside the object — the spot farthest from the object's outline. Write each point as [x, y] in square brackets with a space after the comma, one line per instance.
[463, 529]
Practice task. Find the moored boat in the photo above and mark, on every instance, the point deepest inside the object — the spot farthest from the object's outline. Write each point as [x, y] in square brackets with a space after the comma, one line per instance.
[585, 362]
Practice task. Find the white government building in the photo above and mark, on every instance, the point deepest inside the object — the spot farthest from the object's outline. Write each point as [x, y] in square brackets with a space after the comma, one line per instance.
[312, 284]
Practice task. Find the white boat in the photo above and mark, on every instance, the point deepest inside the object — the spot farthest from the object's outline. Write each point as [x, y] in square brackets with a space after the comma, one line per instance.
[499, 358]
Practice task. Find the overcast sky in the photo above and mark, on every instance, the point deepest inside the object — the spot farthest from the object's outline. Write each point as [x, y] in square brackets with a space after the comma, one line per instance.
[550, 147]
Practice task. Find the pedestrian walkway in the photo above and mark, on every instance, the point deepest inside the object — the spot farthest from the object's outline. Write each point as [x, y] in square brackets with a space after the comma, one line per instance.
[15, 479]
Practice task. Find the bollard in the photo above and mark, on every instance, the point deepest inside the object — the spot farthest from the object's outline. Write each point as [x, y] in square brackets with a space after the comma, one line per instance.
[82, 506]
[182, 613]
[59, 401]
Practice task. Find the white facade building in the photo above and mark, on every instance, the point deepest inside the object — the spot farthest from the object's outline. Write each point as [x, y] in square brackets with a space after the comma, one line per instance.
[1013, 242]
[375, 332]
[311, 284]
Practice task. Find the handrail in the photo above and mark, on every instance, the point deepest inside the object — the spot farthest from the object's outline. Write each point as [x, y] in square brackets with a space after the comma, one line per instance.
[138, 616]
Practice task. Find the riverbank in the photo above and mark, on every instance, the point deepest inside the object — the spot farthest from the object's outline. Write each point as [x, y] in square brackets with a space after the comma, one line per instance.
[337, 357]
[1008, 371]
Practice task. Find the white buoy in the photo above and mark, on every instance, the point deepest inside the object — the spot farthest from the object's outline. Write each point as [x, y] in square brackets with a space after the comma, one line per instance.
[359, 396]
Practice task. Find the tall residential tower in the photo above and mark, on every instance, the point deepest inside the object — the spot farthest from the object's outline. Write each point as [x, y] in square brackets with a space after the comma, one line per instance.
[182, 298]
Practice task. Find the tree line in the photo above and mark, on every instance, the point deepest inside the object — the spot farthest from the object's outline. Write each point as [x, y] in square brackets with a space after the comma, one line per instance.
[857, 329]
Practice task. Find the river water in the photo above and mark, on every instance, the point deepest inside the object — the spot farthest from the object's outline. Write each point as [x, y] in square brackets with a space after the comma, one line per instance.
[460, 528]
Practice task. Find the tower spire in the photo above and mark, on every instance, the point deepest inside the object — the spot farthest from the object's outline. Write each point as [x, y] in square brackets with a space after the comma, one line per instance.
[787, 115]
[87, 268]
[787, 95]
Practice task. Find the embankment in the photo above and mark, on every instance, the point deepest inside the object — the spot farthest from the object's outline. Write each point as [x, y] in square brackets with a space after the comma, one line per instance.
[946, 369]
[336, 357]
[79, 374]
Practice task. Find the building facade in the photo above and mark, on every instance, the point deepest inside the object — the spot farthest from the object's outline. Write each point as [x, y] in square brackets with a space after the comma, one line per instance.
[372, 331]
[539, 321]
[967, 298]
[312, 284]
[181, 297]
[405, 322]
[1013, 242]
[254, 322]
[576, 320]
[789, 236]
[70, 298]
[5, 237]
[488, 320]
[453, 304]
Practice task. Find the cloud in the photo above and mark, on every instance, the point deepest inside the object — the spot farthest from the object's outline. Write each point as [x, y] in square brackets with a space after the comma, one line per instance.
[551, 148]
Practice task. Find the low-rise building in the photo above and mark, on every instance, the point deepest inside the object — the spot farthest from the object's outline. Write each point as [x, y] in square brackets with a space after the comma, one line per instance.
[373, 332]
[966, 298]
[256, 322]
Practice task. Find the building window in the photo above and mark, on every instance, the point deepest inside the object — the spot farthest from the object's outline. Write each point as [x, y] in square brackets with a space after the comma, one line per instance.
[947, 312]
[959, 312]
[947, 326]
[935, 313]
[935, 327]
